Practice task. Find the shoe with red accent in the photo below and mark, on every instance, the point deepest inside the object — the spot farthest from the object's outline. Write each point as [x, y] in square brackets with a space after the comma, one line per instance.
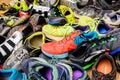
[60, 49]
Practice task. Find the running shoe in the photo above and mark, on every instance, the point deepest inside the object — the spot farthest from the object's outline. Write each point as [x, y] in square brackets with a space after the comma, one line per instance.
[112, 18]
[12, 74]
[67, 13]
[34, 41]
[61, 48]
[95, 48]
[38, 68]
[96, 25]
[9, 44]
[104, 68]
[57, 32]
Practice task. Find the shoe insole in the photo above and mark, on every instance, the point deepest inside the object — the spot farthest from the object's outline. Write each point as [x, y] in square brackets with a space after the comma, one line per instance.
[77, 74]
[104, 66]
[36, 41]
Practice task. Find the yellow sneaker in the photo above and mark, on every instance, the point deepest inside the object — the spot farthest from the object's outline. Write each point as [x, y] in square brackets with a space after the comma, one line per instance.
[34, 41]
[68, 13]
[57, 32]
[96, 25]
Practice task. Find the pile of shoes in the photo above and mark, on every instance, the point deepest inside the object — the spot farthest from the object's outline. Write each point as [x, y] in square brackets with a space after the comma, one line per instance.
[59, 39]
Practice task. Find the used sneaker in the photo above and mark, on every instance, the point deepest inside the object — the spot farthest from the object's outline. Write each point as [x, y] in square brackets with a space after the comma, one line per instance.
[12, 74]
[69, 43]
[96, 25]
[34, 41]
[8, 45]
[67, 13]
[57, 32]
[104, 68]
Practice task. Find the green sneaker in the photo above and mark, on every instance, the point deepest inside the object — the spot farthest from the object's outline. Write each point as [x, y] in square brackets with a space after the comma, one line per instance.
[57, 32]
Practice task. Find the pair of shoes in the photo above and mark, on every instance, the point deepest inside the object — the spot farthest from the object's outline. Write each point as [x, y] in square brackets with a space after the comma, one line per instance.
[96, 25]
[57, 32]
[12, 74]
[104, 68]
[61, 48]
[63, 70]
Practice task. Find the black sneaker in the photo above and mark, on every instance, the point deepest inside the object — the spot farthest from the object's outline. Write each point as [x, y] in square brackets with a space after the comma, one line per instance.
[90, 50]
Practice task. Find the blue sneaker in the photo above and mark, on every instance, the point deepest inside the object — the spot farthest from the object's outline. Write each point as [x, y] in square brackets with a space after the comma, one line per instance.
[12, 74]
[39, 69]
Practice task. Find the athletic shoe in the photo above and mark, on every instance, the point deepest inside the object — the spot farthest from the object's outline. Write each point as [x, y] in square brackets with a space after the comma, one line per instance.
[57, 32]
[85, 57]
[12, 74]
[19, 5]
[36, 21]
[32, 66]
[67, 13]
[96, 25]
[74, 4]
[104, 68]
[90, 11]
[108, 5]
[8, 45]
[112, 18]
[34, 41]
[76, 72]
[69, 43]
[57, 20]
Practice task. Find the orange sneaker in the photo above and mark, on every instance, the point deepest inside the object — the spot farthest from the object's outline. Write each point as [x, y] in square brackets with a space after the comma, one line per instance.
[61, 48]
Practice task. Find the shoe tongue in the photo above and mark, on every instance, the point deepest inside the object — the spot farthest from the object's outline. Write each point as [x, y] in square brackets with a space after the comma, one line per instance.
[77, 74]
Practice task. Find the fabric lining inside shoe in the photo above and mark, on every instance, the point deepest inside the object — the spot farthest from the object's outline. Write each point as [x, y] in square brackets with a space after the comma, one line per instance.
[81, 51]
[104, 66]
[102, 28]
[5, 76]
[46, 72]
[67, 13]
[77, 74]
[36, 41]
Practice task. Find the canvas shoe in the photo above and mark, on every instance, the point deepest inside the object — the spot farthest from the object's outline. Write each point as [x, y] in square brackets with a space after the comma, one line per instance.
[57, 32]
[61, 48]
[34, 41]
[12, 74]
[9, 44]
[104, 68]
[67, 13]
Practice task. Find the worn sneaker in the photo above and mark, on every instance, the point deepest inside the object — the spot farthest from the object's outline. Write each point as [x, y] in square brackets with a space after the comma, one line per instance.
[12, 74]
[112, 18]
[57, 32]
[34, 68]
[67, 13]
[9, 44]
[104, 68]
[96, 25]
[69, 43]
[34, 41]
[76, 72]
[107, 5]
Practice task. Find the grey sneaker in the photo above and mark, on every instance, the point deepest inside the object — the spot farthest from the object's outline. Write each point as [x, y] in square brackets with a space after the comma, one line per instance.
[15, 59]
